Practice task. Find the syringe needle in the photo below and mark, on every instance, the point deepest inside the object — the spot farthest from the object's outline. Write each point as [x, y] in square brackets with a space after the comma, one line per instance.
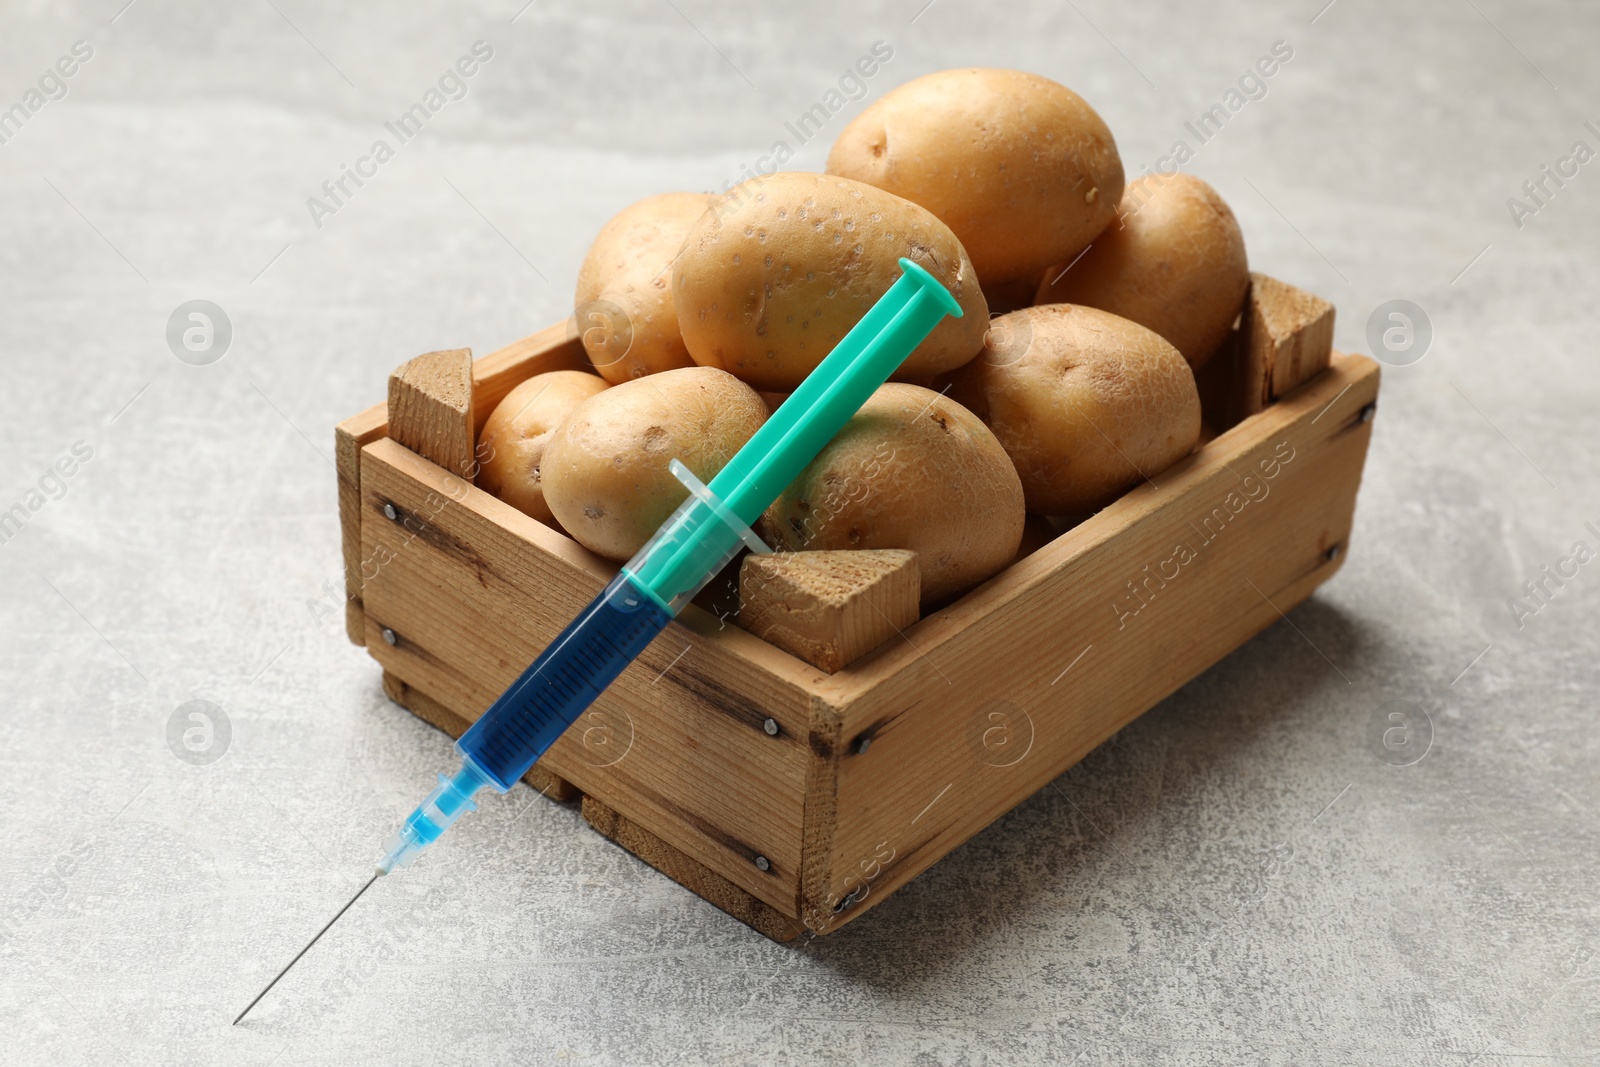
[375, 876]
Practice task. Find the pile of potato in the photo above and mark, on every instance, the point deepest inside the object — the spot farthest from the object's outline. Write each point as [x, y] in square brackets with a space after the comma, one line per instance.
[702, 312]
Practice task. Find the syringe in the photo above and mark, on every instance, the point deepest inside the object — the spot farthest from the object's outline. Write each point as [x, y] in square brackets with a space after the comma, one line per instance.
[686, 552]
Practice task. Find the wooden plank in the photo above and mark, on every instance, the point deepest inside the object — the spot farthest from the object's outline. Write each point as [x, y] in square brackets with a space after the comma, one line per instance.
[430, 409]
[691, 874]
[1286, 339]
[493, 376]
[829, 608]
[819, 905]
[994, 697]
[349, 438]
[473, 589]
[437, 715]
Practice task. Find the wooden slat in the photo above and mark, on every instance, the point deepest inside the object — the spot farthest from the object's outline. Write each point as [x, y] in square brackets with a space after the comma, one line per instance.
[474, 589]
[829, 608]
[691, 874]
[1286, 339]
[430, 409]
[1057, 653]
[493, 376]
[826, 742]
[349, 438]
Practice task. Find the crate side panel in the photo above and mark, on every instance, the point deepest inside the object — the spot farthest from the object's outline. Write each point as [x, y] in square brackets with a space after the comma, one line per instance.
[349, 438]
[995, 703]
[474, 590]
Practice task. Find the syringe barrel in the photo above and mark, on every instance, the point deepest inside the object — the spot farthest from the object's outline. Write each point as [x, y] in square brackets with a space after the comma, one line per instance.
[702, 536]
[569, 674]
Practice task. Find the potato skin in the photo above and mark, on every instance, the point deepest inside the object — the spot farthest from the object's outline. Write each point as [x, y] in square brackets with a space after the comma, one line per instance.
[912, 470]
[605, 469]
[779, 270]
[1021, 168]
[628, 270]
[1086, 404]
[1174, 261]
[512, 444]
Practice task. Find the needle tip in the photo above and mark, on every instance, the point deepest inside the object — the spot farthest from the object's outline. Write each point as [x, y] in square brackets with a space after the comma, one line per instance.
[379, 872]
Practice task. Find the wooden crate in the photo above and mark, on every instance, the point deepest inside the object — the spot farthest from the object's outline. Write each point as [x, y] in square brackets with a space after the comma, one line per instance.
[795, 799]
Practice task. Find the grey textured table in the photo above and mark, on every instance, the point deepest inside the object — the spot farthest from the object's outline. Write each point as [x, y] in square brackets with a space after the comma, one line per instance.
[1244, 875]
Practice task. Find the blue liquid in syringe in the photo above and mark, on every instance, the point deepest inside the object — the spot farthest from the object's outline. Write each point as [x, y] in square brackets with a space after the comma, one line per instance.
[576, 668]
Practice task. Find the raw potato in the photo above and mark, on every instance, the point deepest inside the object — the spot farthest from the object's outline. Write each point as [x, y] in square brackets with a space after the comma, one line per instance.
[624, 298]
[605, 469]
[913, 470]
[512, 444]
[1174, 263]
[775, 273]
[1020, 167]
[1086, 404]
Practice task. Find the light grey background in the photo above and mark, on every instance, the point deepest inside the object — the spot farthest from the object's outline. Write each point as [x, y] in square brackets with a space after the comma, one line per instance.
[1238, 877]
